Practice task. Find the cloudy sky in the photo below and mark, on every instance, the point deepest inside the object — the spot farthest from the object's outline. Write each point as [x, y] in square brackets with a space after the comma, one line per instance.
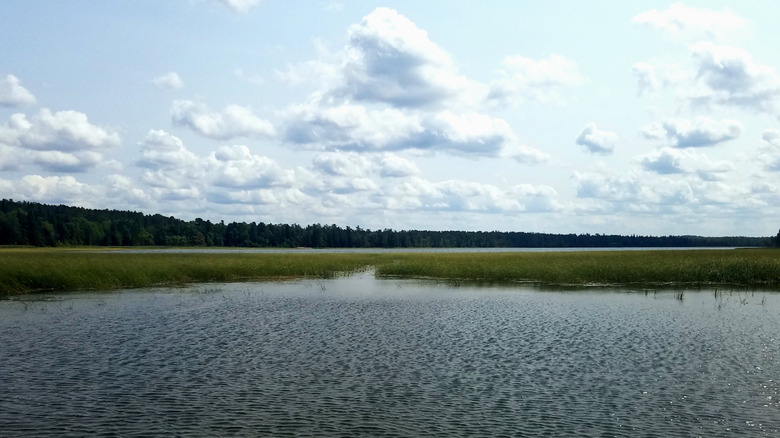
[639, 117]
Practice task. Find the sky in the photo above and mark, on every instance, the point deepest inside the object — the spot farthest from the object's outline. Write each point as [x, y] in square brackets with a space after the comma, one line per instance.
[641, 117]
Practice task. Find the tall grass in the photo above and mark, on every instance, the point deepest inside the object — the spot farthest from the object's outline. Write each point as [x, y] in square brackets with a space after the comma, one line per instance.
[28, 270]
[738, 267]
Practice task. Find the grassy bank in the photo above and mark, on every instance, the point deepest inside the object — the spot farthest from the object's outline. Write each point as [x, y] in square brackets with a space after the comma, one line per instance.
[28, 270]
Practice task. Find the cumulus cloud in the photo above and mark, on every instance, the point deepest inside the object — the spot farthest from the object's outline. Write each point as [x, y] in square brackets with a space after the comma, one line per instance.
[350, 126]
[170, 169]
[596, 140]
[770, 153]
[13, 94]
[729, 76]
[161, 150]
[681, 21]
[523, 154]
[236, 167]
[234, 121]
[341, 164]
[539, 80]
[389, 59]
[685, 198]
[356, 168]
[122, 192]
[387, 90]
[64, 141]
[240, 6]
[702, 131]
[168, 81]
[357, 128]
[394, 166]
[631, 193]
[470, 133]
[676, 161]
[59, 131]
[50, 189]
[57, 161]
[458, 195]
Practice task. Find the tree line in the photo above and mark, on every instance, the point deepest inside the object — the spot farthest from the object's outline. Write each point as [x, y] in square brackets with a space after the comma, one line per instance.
[36, 224]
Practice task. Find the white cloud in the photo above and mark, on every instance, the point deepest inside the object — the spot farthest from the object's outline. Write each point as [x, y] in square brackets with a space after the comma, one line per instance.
[240, 6]
[523, 154]
[683, 198]
[470, 133]
[539, 80]
[341, 164]
[50, 189]
[645, 75]
[161, 150]
[676, 161]
[234, 121]
[632, 193]
[236, 167]
[168, 81]
[350, 126]
[13, 94]
[345, 186]
[702, 131]
[354, 127]
[122, 192]
[394, 166]
[60, 131]
[729, 76]
[458, 195]
[681, 21]
[56, 161]
[389, 59]
[172, 171]
[596, 140]
[769, 155]
[64, 141]
[247, 197]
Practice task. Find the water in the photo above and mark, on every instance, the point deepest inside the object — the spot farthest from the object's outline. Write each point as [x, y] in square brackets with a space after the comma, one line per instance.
[365, 357]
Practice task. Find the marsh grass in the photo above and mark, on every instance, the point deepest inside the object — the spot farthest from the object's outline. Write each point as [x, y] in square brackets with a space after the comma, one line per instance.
[28, 270]
[685, 267]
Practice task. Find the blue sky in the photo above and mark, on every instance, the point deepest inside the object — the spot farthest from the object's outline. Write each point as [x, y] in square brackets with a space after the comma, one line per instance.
[638, 117]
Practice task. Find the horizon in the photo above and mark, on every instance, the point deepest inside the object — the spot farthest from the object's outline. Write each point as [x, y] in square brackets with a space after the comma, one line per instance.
[440, 116]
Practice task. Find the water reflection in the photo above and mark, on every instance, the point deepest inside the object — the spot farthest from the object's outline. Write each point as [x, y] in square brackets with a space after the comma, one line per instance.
[358, 356]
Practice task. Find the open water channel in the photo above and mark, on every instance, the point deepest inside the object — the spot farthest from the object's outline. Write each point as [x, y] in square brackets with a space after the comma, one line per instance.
[358, 356]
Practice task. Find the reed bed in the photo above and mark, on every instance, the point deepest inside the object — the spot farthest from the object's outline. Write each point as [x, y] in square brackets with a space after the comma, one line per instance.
[684, 267]
[29, 270]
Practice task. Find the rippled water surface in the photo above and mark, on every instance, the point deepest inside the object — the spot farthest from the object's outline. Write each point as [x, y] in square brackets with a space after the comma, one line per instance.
[365, 357]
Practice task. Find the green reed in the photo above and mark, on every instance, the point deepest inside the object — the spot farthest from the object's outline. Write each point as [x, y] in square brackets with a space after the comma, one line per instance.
[28, 270]
[736, 267]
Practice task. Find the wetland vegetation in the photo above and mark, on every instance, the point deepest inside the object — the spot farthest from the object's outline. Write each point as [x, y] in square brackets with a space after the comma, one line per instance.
[24, 270]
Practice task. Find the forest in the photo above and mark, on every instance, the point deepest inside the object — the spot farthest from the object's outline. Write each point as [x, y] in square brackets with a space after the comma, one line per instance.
[36, 224]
